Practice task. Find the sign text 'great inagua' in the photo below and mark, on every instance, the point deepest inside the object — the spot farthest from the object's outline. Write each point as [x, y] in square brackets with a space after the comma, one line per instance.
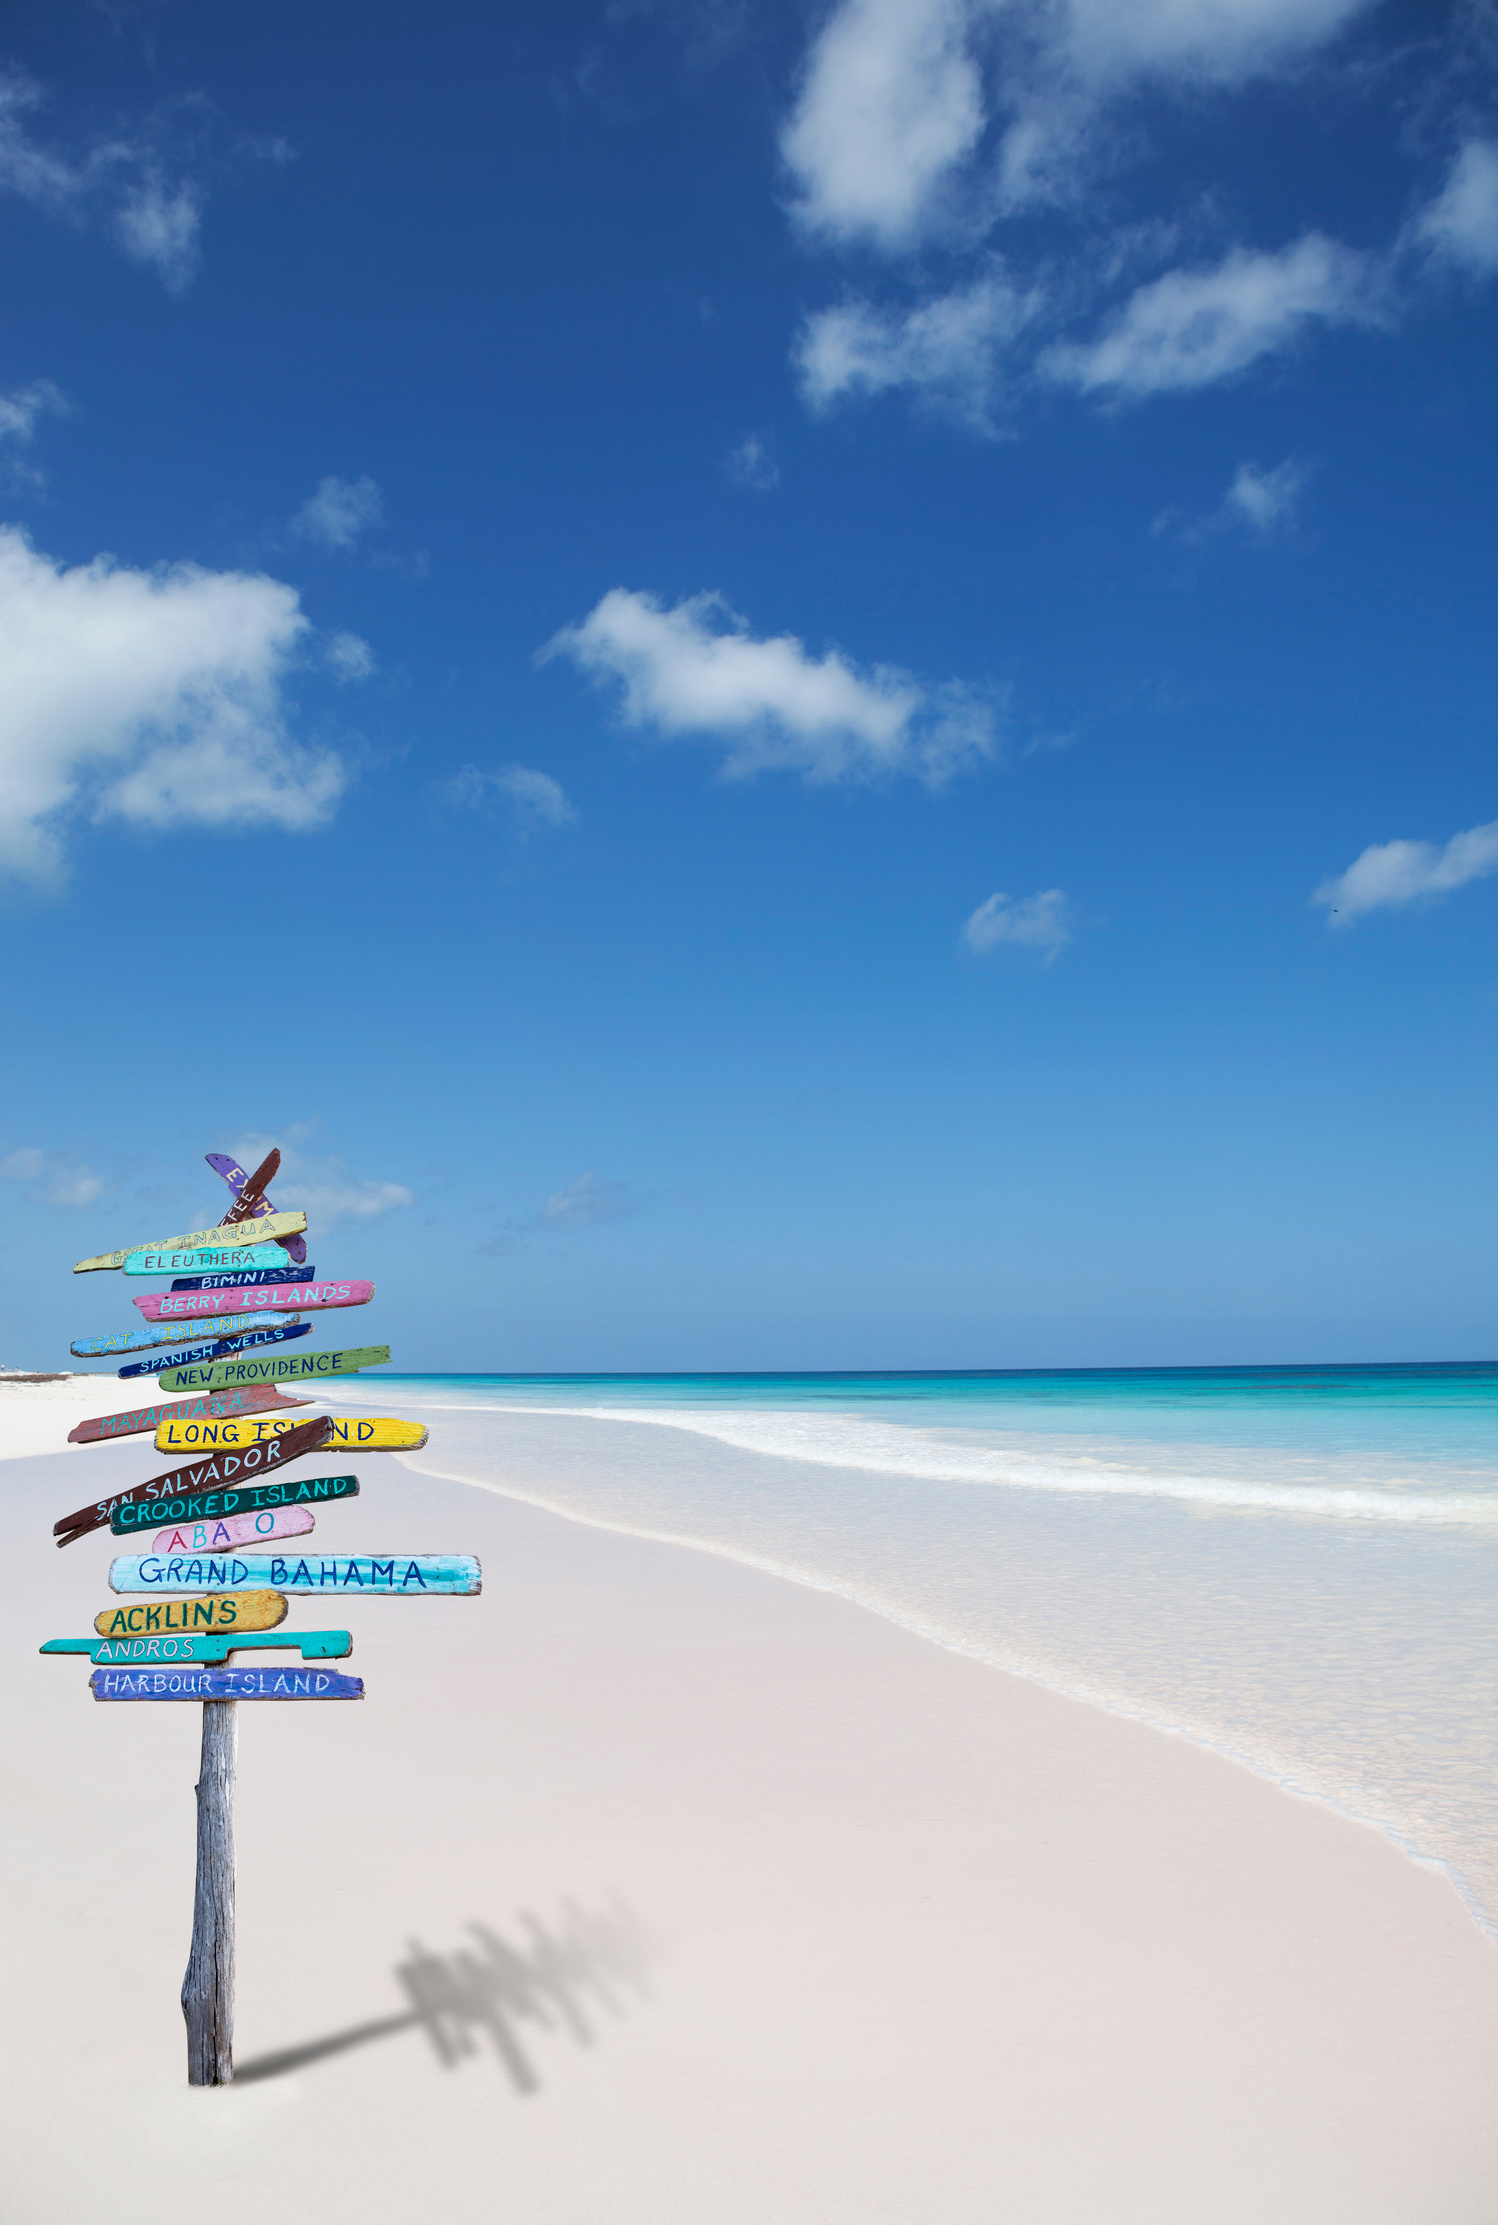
[216, 1238]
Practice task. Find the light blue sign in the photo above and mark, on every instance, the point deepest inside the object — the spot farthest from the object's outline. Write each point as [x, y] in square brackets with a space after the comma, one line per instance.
[402, 1576]
[221, 1258]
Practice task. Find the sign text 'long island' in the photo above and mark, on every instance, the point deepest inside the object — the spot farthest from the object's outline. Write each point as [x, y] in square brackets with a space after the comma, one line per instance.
[372, 1575]
[346, 1432]
[299, 1367]
[275, 1225]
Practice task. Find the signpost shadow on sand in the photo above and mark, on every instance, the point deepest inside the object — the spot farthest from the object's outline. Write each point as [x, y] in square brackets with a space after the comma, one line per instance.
[556, 1978]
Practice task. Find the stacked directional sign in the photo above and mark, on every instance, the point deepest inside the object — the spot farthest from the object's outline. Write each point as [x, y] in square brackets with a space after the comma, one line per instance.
[209, 1572]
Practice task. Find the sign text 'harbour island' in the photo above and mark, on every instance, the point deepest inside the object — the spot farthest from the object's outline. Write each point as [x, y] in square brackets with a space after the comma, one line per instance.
[263, 1259]
[203, 1645]
[210, 1507]
[235, 1611]
[400, 1576]
[207, 1354]
[225, 1684]
[346, 1432]
[101, 1428]
[275, 1225]
[299, 1367]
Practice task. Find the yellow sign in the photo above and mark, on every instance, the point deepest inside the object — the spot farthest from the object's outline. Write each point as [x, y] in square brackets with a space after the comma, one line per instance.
[226, 1610]
[350, 1433]
[266, 1230]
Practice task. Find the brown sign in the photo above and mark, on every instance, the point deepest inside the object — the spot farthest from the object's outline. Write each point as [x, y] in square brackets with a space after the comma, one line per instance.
[208, 1407]
[236, 1465]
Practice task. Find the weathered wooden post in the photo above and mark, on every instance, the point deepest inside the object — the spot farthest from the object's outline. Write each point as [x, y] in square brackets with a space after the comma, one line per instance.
[208, 1988]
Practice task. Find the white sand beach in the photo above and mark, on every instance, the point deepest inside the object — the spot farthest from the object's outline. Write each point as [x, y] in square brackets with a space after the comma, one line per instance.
[745, 1905]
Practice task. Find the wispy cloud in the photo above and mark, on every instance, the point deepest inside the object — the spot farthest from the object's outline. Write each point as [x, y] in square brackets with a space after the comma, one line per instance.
[55, 1177]
[145, 187]
[1023, 922]
[339, 513]
[1262, 503]
[320, 1185]
[943, 121]
[751, 463]
[349, 657]
[23, 405]
[696, 670]
[1390, 874]
[586, 1203]
[149, 696]
[1194, 328]
[534, 799]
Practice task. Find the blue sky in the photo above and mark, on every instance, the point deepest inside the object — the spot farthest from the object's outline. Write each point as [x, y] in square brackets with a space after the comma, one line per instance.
[783, 687]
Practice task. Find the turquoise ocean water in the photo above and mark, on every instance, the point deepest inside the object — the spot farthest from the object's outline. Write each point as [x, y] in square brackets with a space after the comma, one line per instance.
[1295, 1566]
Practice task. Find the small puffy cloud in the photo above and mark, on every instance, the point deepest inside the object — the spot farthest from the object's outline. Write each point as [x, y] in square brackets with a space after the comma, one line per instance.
[584, 1203]
[349, 657]
[149, 696]
[1192, 328]
[1389, 874]
[890, 104]
[696, 670]
[159, 225]
[1264, 501]
[1460, 226]
[1023, 922]
[339, 512]
[946, 350]
[23, 405]
[320, 1187]
[751, 463]
[536, 800]
[53, 1176]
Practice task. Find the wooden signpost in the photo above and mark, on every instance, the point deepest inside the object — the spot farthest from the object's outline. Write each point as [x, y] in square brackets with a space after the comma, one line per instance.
[217, 1581]
[238, 1181]
[220, 1258]
[239, 1278]
[284, 1297]
[400, 1576]
[169, 1332]
[224, 1684]
[201, 1645]
[222, 1347]
[352, 1433]
[196, 1240]
[207, 1508]
[302, 1367]
[104, 1427]
[226, 1612]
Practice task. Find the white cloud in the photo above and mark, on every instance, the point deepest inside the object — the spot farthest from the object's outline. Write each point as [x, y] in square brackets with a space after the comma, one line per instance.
[536, 799]
[1393, 873]
[1461, 225]
[53, 1176]
[697, 670]
[339, 512]
[1265, 501]
[947, 350]
[151, 696]
[23, 405]
[583, 1204]
[133, 185]
[891, 102]
[751, 463]
[1192, 328]
[1026, 922]
[159, 225]
[322, 1188]
[349, 656]
[1225, 41]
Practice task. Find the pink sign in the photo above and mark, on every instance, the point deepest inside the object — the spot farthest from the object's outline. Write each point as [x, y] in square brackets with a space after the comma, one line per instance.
[277, 1297]
[234, 1529]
